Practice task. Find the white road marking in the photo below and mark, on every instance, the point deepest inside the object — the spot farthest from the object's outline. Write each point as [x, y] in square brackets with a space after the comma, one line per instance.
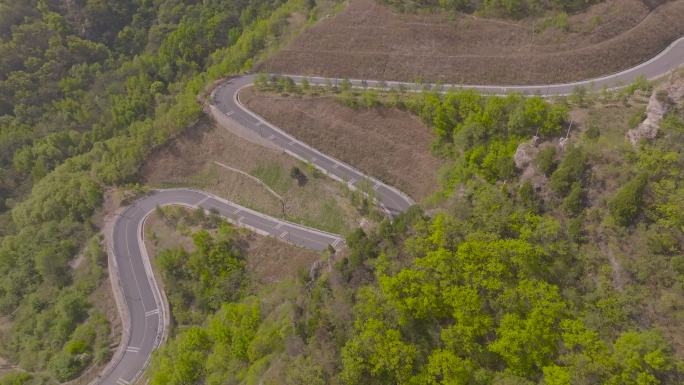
[128, 247]
[376, 186]
[336, 165]
[337, 242]
[279, 226]
[291, 143]
[283, 235]
[202, 201]
[133, 349]
[557, 88]
[352, 181]
[152, 312]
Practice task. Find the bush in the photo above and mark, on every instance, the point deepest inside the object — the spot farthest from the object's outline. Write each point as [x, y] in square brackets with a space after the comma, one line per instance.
[66, 366]
[572, 169]
[574, 202]
[16, 378]
[495, 160]
[297, 174]
[593, 131]
[637, 118]
[575, 230]
[546, 161]
[626, 204]
[528, 197]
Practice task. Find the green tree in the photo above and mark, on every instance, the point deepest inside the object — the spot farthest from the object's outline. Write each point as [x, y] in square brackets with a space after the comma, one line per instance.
[528, 336]
[183, 360]
[546, 160]
[377, 355]
[573, 203]
[628, 200]
[573, 168]
[445, 368]
[641, 358]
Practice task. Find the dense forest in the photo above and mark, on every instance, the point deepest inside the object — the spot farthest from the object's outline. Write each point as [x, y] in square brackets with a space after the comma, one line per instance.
[511, 279]
[567, 269]
[87, 89]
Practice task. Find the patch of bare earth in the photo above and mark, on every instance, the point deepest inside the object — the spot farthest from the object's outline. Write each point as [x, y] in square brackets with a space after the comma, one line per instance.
[372, 41]
[197, 159]
[389, 144]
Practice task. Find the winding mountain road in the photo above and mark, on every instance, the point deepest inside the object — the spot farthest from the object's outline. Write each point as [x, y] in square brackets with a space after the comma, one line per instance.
[143, 307]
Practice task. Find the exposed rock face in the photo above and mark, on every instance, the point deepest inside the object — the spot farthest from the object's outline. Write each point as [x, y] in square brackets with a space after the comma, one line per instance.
[525, 153]
[661, 102]
[524, 159]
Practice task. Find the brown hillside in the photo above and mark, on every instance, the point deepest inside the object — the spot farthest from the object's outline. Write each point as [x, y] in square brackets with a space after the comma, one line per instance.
[357, 136]
[372, 41]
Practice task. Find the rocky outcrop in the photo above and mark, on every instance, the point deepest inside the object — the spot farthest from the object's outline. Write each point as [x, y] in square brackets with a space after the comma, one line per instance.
[663, 99]
[525, 153]
[524, 160]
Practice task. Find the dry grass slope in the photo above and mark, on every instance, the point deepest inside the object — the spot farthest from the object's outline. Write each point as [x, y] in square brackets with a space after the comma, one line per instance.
[371, 41]
[391, 145]
[189, 161]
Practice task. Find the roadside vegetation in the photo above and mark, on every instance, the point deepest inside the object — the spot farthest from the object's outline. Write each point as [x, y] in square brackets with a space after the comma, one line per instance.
[524, 278]
[514, 9]
[353, 135]
[550, 254]
[560, 267]
[210, 158]
[229, 293]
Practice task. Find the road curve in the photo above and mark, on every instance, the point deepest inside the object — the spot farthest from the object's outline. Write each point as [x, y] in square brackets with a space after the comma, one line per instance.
[667, 60]
[144, 306]
[226, 98]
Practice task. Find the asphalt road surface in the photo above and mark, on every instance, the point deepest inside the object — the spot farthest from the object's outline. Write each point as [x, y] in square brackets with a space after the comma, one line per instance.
[225, 97]
[668, 59]
[140, 290]
[143, 300]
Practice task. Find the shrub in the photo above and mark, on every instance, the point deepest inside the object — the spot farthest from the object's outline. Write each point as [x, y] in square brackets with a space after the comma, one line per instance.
[637, 118]
[626, 204]
[593, 131]
[574, 202]
[528, 197]
[345, 85]
[575, 230]
[16, 378]
[297, 174]
[578, 96]
[640, 83]
[546, 160]
[572, 169]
